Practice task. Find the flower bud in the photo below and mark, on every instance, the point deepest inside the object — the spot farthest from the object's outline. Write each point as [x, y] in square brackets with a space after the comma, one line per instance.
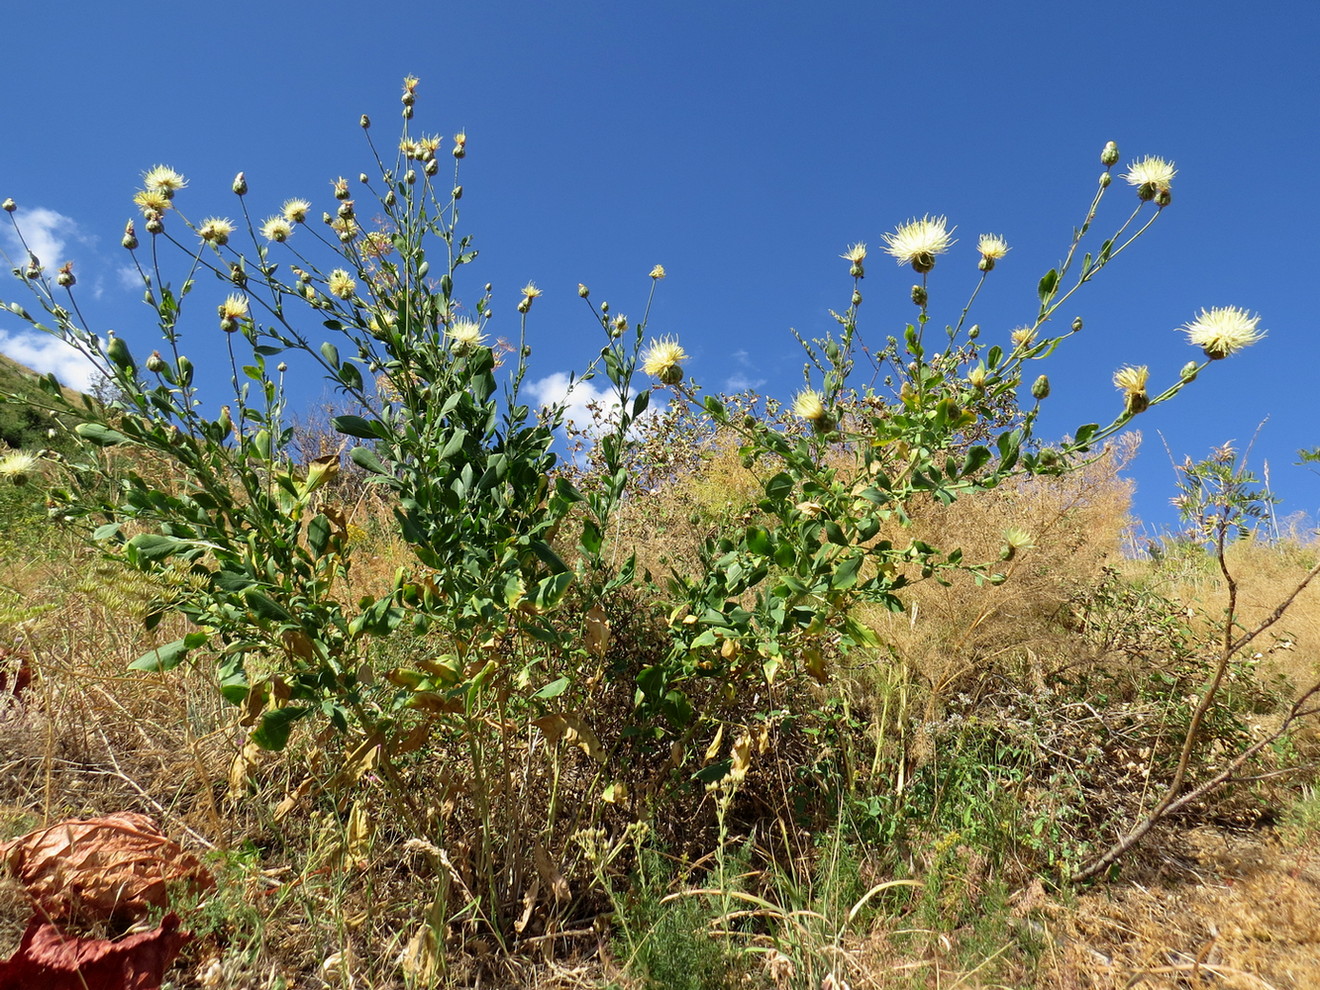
[1076, 324]
[185, 371]
[1189, 371]
[364, 121]
[524, 305]
[65, 277]
[390, 198]
[156, 364]
[9, 206]
[856, 298]
[364, 178]
[458, 192]
[407, 111]
[283, 367]
[240, 184]
[605, 307]
[117, 351]
[155, 225]
[345, 209]
[1163, 197]
[431, 167]
[974, 331]
[460, 144]
[1040, 388]
[129, 240]
[410, 176]
[919, 295]
[1105, 179]
[1109, 156]
[583, 291]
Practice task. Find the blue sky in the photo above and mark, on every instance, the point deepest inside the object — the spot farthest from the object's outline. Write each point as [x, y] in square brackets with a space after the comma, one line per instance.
[743, 146]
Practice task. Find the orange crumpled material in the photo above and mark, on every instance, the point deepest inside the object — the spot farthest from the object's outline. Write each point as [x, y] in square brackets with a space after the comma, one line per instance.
[100, 868]
[47, 959]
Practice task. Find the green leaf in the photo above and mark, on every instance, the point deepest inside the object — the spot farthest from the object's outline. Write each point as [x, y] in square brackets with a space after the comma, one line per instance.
[554, 689]
[107, 531]
[454, 445]
[318, 534]
[273, 732]
[1048, 283]
[1085, 433]
[153, 546]
[365, 458]
[550, 591]
[779, 487]
[265, 608]
[977, 458]
[355, 426]
[331, 354]
[100, 435]
[162, 658]
[759, 540]
[715, 772]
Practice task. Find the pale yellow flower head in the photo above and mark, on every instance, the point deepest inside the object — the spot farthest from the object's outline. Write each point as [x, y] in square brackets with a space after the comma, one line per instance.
[277, 229]
[1223, 330]
[992, 247]
[341, 284]
[663, 359]
[235, 307]
[18, 465]
[917, 242]
[1131, 381]
[466, 335]
[658, 272]
[1023, 337]
[216, 230]
[295, 210]
[809, 405]
[163, 179]
[856, 253]
[1151, 176]
[151, 202]
[530, 291]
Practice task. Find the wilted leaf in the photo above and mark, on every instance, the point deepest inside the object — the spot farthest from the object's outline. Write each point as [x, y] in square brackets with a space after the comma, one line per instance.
[573, 731]
[550, 874]
[357, 837]
[100, 867]
[597, 631]
[47, 959]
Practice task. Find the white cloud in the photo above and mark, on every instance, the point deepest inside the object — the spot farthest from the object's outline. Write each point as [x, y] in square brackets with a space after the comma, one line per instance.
[577, 396]
[44, 353]
[46, 233]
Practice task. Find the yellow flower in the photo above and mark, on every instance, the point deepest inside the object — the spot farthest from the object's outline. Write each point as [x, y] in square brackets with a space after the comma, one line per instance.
[855, 254]
[163, 179]
[341, 284]
[18, 465]
[1151, 176]
[295, 210]
[530, 291]
[234, 307]
[1223, 330]
[277, 229]
[658, 271]
[662, 360]
[410, 84]
[976, 377]
[216, 230]
[992, 247]
[1023, 337]
[151, 202]
[809, 405]
[466, 335]
[917, 242]
[1131, 381]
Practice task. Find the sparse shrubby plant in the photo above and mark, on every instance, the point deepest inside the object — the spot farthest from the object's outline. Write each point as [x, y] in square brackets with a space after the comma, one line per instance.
[572, 696]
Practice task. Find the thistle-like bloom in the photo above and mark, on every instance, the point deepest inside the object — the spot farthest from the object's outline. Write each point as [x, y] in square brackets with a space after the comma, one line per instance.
[1131, 381]
[992, 248]
[855, 254]
[466, 336]
[163, 179]
[235, 307]
[917, 242]
[1151, 176]
[1223, 330]
[530, 291]
[658, 272]
[809, 405]
[341, 284]
[18, 465]
[151, 202]
[295, 210]
[1023, 337]
[216, 230]
[662, 360]
[976, 377]
[277, 229]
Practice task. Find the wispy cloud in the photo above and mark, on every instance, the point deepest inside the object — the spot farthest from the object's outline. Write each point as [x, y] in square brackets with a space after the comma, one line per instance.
[742, 380]
[578, 398]
[47, 234]
[44, 353]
